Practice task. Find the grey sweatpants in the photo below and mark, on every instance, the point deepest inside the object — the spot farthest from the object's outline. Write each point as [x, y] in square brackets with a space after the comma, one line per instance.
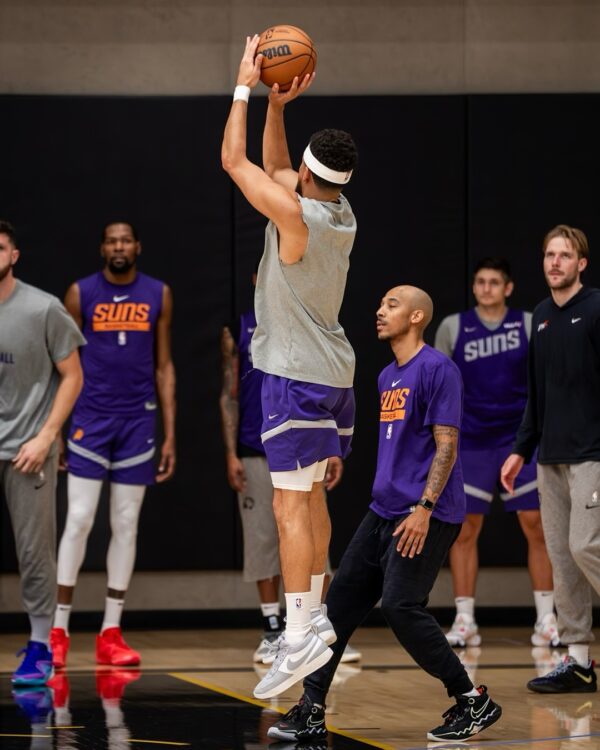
[31, 500]
[570, 506]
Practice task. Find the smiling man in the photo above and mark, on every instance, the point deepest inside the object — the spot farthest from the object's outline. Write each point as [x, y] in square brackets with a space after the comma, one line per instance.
[126, 317]
[417, 507]
[563, 418]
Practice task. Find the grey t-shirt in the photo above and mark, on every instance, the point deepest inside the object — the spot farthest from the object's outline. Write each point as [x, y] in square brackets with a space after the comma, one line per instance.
[35, 332]
[298, 335]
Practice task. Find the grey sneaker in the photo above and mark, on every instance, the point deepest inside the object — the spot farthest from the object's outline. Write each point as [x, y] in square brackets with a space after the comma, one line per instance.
[265, 646]
[292, 663]
[322, 625]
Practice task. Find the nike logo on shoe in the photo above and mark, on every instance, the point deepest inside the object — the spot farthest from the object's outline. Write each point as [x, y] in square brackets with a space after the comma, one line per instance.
[311, 723]
[120, 297]
[585, 678]
[477, 714]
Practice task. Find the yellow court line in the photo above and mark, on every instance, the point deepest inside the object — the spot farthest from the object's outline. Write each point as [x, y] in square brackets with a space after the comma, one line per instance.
[162, 742]
[58, 728]
[263, 704]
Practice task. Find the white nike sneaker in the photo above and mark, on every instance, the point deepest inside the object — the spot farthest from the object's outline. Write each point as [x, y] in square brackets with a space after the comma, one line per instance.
[319, 623]
[350, 654]
[464, 632]
[545, 632]
[322, 625]
[292, 663]
[265, 646]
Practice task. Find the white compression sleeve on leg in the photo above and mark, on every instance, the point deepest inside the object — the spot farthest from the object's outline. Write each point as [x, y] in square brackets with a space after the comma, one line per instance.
[125, 505]
[83, 497]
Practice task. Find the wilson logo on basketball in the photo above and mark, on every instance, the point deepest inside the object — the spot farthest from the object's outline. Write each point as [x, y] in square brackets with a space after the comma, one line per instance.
[392, 404]
[283, 50]
[121, 316]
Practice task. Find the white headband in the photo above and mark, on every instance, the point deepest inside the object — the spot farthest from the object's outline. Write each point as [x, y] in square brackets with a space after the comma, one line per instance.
[311, 161]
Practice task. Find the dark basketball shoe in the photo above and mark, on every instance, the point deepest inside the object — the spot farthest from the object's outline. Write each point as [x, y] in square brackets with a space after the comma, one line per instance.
[568, 677]
[469, 716]
[303, 722]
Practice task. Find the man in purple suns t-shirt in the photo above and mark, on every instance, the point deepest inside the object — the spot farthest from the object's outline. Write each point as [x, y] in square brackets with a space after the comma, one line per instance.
[415, 515]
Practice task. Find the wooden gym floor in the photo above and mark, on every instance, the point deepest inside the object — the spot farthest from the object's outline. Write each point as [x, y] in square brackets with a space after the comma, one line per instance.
[195, 691]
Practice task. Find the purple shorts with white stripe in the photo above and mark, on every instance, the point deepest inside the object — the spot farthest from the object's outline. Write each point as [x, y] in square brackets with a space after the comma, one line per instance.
[118, 447]
[304, 422]
[481, 472]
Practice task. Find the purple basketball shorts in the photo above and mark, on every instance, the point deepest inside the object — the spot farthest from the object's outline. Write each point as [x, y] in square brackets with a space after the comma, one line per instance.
[119, 448]
[304, 422]
[481, 472]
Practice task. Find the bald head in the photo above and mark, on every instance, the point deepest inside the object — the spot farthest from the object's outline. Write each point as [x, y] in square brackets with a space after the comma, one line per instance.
[417, 301]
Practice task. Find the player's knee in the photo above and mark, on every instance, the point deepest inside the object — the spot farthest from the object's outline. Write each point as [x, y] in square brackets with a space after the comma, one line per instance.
[79, 523]
[581, 552]
[124, 525]
[398, 614]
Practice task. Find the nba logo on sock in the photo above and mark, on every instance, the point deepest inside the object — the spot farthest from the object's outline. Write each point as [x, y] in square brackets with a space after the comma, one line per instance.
[298, 602]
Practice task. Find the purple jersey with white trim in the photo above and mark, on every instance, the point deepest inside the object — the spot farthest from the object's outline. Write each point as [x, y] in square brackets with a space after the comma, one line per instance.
[251, 416]
[424, 392]
[493, 364]
[119, 323]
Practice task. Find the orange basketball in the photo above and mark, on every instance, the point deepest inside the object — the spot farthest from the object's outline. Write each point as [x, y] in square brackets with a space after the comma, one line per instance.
[287, 52]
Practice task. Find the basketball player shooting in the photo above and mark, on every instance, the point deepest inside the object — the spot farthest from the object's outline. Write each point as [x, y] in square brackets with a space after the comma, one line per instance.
[307, 396]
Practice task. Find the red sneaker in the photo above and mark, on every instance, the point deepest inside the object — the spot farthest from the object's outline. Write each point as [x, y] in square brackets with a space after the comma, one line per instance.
[111, 683]
[112, 649]
[59, 645]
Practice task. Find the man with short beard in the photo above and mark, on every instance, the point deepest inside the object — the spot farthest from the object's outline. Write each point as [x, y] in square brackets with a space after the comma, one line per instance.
[562, 417]
[40, 378]
[125, 316]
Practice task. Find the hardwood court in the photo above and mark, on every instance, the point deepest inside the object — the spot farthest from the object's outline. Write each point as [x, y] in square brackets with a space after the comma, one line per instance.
[195, 691]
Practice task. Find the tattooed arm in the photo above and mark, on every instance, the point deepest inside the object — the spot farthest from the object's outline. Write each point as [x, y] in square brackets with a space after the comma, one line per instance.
[446, 450]
[229, 404]
[413, 530]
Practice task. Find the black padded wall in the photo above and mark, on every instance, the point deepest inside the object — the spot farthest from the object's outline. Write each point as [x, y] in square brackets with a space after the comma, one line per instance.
[441, 181]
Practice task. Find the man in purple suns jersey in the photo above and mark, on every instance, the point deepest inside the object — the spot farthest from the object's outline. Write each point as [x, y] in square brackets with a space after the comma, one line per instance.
[418, 505]
[308, 363]
[126, 317]
[489, 344]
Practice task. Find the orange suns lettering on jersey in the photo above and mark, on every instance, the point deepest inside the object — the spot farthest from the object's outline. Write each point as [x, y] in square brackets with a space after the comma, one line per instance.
[121, 316]
[392, 404]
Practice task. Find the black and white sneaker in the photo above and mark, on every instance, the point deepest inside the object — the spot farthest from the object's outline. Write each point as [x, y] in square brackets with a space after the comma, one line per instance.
[567, 677]
[469, 716]
[303, 722]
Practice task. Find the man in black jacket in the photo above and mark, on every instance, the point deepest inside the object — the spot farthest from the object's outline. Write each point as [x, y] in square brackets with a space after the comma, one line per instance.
[563, 418]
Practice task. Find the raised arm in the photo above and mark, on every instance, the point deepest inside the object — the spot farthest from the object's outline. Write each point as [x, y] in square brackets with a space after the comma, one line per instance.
[276, 202]
[165, 386]
[413, 530]
[230, 409]
[276, 155]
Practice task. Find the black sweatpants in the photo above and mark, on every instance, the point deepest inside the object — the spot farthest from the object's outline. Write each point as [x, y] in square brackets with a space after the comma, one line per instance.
[372, 569]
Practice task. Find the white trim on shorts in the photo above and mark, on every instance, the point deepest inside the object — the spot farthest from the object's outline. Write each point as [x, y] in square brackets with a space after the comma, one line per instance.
[522, 490]
[300, 479]
[479, 494]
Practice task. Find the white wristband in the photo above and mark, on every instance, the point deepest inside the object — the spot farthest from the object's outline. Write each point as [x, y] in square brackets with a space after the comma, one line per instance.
[242, 93]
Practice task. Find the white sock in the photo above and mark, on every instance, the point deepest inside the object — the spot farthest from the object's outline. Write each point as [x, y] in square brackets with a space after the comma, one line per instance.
[581, 653]
[297, 624]
[269, 609]
[112, 613]
[472, 693]
[465, 605]
[61, 617]
[544, 603]
[40, 628]
[316, 590]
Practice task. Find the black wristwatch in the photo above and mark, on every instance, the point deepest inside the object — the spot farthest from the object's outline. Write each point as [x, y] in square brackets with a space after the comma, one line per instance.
[427, 504]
